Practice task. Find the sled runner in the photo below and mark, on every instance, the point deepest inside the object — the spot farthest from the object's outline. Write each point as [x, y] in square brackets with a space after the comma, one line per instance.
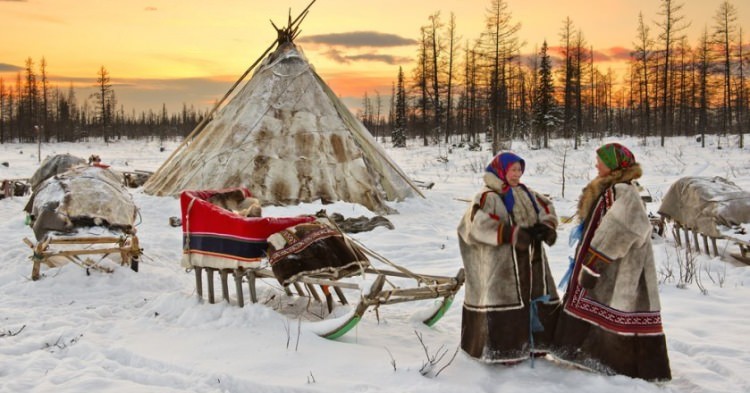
[84, 216]
[712, 208]
[304, 257]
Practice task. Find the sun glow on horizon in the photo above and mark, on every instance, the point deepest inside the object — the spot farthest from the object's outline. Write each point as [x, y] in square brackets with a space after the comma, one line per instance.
[194, 50]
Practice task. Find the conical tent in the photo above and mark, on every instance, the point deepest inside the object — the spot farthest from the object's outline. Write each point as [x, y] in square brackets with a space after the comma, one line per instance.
[288, 139]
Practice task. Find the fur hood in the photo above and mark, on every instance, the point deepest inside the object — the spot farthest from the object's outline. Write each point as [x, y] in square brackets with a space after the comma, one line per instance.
[493, 182]
[594, 189]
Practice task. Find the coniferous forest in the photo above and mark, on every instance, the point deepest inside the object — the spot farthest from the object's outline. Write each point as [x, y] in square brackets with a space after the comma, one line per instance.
[492, 87]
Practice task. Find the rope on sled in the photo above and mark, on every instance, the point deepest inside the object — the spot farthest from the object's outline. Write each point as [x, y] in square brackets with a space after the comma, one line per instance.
[387, 262]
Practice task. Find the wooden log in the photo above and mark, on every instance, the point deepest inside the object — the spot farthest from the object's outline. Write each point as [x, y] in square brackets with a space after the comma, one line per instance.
[716, 249]
[83, 240]
[311, 290]
[425, 277]
[199, 281]
[238, 287]
[320, 281]
[705, 245]
[210, 279]
[695, 238]
[251, 285]
[224, 273]
[340, 294]
[65, 253]
[35, 268]
[676, 234]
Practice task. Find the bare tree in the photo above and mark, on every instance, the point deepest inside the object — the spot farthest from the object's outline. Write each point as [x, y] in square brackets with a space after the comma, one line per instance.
[502, 43]
[724, 28]
[703, 65]
[104, 96]
[452, 49]
[672, 25]
[566, 38]
[741, 91]
[436, 51]
[643, 48]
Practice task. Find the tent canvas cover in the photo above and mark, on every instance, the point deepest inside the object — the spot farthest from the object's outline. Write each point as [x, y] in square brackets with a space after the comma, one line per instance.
[705, 204]
[287, 138]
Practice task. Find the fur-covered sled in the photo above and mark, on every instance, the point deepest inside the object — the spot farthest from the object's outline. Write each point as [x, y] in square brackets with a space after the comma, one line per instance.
[84, 216]
[295, 256]
[712, 207]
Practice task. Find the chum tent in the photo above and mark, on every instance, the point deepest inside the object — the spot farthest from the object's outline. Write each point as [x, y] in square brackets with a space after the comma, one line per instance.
[287, 138]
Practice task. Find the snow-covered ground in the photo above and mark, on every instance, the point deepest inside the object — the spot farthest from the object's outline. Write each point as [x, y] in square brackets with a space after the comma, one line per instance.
[148, 332]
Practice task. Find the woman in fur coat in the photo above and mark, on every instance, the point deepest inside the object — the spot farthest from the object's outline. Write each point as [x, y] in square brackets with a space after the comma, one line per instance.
[511, 304]
[611, 319]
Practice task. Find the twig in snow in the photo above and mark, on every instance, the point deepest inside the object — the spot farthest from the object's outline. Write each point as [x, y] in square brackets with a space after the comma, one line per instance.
[393, 360]
[11, 333]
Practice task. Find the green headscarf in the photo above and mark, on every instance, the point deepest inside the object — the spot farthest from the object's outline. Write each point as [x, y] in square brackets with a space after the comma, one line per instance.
[615, 156]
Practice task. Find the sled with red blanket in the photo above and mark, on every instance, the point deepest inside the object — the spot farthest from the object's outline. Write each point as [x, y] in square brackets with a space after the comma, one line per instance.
[301, 263]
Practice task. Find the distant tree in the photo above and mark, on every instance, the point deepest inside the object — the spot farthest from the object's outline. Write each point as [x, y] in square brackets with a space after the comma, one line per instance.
[420, 82]
[378, 107]
[3, 110]
[44, 85]
[672, 27]
[398, 136]
[452, 49]
[105, 98]
[703, 65]
[501, 44]
[568, 71]
[579, 59]
[470, 96]
[724, 28]
[643, 49]
[741, 92]
[29, 100]
[545, 108]
[436, 48]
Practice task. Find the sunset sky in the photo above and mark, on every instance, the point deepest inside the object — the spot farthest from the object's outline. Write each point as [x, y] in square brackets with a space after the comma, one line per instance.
[191, 51]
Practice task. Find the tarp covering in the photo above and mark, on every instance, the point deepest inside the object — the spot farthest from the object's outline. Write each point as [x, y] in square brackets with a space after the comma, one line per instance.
[84, 196]
[53, 165]
[703, 204]
[220, 238]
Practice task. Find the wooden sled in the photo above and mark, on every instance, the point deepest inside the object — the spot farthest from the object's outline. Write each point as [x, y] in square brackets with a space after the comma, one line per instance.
[380, 292]
[209, 234]
[710, 207]
[55, 251]
[693, 239]
[744, 254]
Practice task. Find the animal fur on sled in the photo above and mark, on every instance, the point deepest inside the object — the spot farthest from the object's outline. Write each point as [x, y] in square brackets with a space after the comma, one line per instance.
[235, 201]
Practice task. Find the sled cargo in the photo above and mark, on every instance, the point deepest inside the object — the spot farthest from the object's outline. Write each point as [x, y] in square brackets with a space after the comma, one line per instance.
[84, 216]
[712, 208]
[303, 257]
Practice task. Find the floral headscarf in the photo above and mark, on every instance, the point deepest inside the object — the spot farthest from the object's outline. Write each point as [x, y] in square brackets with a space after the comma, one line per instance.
[615, 156]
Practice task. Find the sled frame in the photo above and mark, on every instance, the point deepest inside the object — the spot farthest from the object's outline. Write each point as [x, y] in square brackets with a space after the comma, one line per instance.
[682, 233]
[428, 287]
[127, 246]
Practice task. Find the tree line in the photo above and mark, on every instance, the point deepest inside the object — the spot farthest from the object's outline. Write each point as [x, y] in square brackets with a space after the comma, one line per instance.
[32, 109]
[474, 89]
[485, 88]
